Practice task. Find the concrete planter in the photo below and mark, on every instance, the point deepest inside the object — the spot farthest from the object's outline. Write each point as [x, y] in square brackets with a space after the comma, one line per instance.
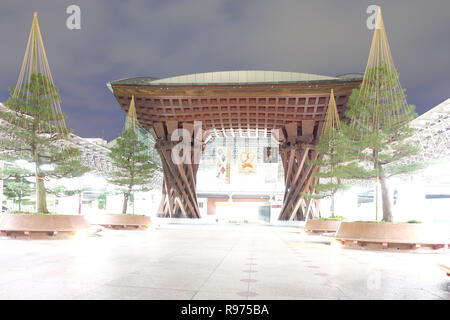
[121, 221]
[319, 226]
[42, 223]
[391, 234]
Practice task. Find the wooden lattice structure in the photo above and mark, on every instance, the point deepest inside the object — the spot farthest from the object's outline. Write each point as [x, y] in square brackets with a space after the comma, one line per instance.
[244, 103]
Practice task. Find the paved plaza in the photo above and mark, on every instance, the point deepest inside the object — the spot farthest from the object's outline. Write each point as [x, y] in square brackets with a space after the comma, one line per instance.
[223, 261]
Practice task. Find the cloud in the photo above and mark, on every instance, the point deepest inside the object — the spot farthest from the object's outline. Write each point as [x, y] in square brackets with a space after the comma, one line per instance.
[165, 38]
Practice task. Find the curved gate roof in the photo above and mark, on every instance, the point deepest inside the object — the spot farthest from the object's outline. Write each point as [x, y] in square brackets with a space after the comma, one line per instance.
[230, 102]
[235, 77]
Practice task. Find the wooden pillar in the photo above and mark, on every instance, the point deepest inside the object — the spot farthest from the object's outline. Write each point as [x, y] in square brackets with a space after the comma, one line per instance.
[178, 193]
[297, 150]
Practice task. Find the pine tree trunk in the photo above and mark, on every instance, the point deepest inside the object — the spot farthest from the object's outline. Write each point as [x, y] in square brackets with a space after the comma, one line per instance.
[125, 203]
[41, 196]
[387, 209]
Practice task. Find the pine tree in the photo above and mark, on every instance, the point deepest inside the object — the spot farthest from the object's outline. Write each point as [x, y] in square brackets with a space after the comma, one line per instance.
[133, 169]
[377, 140]
[18, 190]
[16, 187]
[34, 126]
[332, 163]
[379, 134]
[33, 132]
[332, 170]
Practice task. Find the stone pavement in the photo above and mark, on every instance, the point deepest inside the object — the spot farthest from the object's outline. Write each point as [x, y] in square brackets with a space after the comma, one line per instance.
[224, 261]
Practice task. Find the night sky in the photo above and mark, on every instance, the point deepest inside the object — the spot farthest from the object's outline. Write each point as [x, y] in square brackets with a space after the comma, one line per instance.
[120, 39]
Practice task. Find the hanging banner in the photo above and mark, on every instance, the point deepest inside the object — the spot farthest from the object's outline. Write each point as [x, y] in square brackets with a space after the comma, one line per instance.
[248, 159]
[223, 164]
[270, 155]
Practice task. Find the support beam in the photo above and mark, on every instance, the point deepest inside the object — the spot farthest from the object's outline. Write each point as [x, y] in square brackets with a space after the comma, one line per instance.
[296, 153]
[178, 192]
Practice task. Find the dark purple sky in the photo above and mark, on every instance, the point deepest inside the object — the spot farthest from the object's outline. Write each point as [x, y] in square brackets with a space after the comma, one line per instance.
[120, 39]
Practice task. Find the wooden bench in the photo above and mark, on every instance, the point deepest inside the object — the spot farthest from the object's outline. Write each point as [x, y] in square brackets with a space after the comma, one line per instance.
[49, 225]
[387, 243]
[113, 221]
[393, 235]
